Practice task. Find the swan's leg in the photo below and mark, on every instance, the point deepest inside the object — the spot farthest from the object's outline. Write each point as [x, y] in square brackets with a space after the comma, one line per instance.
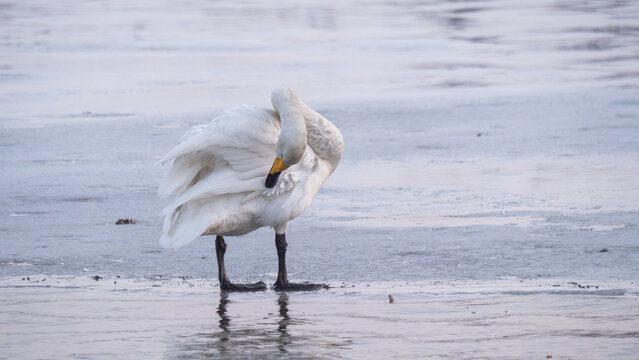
[282, 282]
[225, 283]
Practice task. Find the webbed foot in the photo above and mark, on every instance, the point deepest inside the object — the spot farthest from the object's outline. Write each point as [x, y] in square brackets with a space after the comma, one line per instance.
[229, 286]
[288, 286]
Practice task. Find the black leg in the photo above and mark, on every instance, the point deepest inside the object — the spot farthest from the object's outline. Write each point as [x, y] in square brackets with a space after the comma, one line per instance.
[225, 283]
[282, 276]
[282, 282]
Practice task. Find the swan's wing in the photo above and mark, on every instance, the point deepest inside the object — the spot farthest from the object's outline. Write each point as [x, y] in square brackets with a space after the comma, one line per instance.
[243, 138]
[213, 168]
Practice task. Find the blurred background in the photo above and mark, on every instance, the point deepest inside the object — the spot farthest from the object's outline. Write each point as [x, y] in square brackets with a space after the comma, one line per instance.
[63, 59]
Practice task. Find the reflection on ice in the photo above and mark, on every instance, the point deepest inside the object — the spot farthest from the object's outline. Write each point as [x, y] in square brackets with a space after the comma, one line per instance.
[221, 311]
[266, 336]
[285, 338]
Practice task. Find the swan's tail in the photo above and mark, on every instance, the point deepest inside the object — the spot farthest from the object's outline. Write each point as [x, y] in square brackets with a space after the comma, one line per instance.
[205, 205]
[185, 223]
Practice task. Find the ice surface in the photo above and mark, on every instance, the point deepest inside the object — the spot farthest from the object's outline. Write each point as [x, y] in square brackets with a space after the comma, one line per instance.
[491, 165]
[189, 319]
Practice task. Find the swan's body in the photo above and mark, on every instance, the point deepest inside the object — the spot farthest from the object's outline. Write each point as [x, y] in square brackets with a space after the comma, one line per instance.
[218, 170]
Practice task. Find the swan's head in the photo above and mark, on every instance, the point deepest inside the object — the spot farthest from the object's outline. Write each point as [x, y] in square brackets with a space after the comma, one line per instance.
[291, 144]
[290, 150]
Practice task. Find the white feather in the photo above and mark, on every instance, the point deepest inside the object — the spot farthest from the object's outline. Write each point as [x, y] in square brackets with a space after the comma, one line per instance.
[218, 171]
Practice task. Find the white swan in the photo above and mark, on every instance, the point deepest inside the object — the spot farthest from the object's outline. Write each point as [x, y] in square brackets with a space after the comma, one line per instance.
[246, 169]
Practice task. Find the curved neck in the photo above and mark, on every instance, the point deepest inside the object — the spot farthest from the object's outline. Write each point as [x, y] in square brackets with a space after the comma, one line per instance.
[323, 136]
[292, 140]
[320, 134]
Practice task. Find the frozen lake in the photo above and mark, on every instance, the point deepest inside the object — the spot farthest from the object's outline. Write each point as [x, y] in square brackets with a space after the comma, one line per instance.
[489, 180]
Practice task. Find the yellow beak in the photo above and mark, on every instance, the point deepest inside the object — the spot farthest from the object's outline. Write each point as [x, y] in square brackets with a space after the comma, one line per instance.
[278, 166]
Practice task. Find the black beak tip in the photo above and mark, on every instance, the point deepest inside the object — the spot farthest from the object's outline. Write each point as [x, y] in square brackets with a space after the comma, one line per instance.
[271, 180]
